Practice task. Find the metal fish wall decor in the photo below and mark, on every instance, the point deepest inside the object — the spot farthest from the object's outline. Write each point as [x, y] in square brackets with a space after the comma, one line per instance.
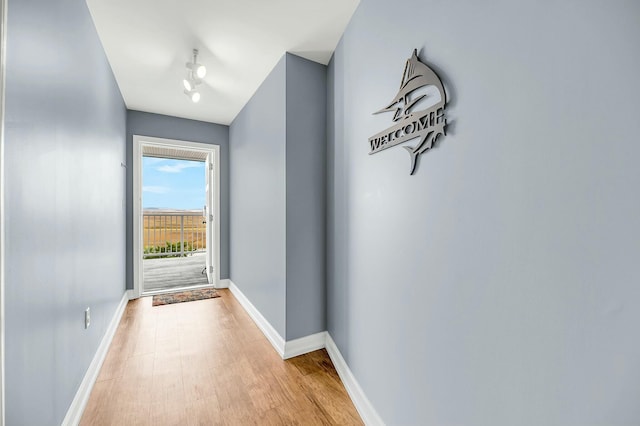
[426, 124]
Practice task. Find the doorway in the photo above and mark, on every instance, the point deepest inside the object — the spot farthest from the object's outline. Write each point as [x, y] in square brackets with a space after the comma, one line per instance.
[173, 248]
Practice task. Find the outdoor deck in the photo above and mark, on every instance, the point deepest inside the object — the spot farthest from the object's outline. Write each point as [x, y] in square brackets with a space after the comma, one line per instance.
[173, 272]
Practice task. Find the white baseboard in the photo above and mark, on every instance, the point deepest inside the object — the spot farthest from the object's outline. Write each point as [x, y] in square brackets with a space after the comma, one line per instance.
[311, 343]
[369, 415]
[74, 414]
[131, 294]
[304, 345]
[224, 283]
[288, 349]
[267, 329]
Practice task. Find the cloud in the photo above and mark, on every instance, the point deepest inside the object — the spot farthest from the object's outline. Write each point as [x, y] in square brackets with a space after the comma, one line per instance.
[156, 189]
[154, 160]
[178, 167]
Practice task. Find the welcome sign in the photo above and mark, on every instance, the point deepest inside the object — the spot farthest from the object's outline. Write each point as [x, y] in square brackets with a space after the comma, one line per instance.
[426, 124]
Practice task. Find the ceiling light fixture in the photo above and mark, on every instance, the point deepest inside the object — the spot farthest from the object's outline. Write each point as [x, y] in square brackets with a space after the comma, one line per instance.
[194, 95]
[198, 69]
[195, 73]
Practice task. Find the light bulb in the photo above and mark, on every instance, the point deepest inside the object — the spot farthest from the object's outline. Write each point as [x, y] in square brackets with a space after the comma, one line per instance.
[193, 95]
[201, 71]
[198, 70]
[187, 85]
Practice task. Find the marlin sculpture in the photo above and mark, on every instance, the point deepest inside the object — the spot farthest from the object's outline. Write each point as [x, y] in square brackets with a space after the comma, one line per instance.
[426, 124]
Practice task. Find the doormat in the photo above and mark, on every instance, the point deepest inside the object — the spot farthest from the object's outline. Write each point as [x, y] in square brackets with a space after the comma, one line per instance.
[184, 296]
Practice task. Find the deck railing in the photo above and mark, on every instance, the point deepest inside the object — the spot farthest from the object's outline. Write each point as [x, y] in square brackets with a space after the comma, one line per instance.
[173, 233]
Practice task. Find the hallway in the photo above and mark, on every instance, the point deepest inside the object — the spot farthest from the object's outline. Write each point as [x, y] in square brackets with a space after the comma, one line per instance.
[206, 362]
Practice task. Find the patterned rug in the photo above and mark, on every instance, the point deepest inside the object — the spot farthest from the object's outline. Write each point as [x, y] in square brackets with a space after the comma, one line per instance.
[184, 296]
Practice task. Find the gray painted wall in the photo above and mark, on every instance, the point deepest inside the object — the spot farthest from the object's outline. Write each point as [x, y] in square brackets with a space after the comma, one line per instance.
[278, 198]
[65, 218]
[164, 126]
[305, 179]
[258, 196]
[498, 285]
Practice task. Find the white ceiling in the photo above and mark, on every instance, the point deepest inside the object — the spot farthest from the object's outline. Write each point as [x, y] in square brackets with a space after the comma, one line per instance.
[148, 43]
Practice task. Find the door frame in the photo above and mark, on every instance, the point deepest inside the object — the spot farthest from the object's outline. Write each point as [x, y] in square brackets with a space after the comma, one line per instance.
[209, 216]
[3, 56]
[139, 142]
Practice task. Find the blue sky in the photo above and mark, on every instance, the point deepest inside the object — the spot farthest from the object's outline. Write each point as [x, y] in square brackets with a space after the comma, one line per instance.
[172, 184]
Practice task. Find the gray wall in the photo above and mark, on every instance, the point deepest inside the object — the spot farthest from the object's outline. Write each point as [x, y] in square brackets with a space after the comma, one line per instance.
[498, 285]
[278, 198]
[306, 174]
[164, 126]
[65, 218]
[258, 195]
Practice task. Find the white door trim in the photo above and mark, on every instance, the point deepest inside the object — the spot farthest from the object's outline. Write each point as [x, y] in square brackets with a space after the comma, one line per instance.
[138, 142]
[210, 167]
[3, 54]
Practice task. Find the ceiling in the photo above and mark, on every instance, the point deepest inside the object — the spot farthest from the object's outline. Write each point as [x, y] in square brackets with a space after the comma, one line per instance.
[148, 42]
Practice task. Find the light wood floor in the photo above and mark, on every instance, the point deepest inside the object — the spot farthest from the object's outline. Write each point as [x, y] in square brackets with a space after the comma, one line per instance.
[206, 363]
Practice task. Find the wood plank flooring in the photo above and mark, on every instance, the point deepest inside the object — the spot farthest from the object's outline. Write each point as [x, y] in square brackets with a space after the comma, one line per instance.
[174, 272]
[206, 363]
